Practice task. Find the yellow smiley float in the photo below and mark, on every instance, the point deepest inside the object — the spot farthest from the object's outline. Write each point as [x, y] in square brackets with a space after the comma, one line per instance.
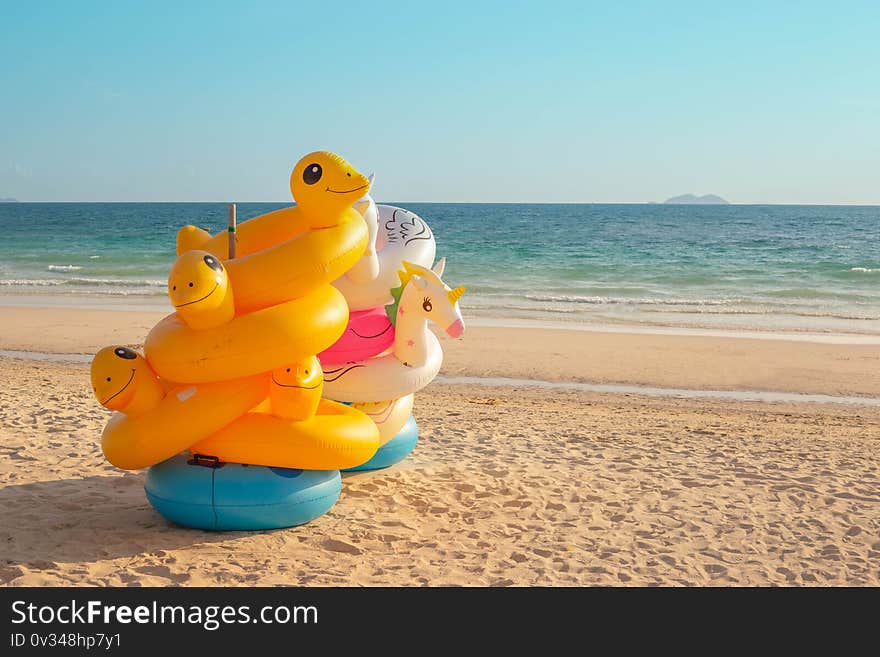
[296, 389]
[199, 290]
[150, 425]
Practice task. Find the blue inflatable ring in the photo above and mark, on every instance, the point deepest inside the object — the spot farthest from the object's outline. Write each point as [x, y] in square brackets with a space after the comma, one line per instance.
[395, 450]
[201, 493]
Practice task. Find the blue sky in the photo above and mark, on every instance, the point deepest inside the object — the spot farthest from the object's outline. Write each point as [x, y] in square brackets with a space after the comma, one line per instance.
[759, 102]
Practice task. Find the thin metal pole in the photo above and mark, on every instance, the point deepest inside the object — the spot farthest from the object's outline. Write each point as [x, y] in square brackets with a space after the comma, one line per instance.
[231, 231]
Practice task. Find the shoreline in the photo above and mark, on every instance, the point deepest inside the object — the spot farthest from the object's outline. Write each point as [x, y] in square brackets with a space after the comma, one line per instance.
[835, 366]
[160, 306]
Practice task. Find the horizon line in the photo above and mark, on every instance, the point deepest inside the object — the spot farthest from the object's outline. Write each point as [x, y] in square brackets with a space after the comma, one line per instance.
[864, 205]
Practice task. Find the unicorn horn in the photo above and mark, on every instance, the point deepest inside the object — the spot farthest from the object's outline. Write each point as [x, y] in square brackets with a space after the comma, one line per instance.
[456, 294]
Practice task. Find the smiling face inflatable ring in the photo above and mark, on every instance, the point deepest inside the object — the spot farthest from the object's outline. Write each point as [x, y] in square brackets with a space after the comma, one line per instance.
[199, 290]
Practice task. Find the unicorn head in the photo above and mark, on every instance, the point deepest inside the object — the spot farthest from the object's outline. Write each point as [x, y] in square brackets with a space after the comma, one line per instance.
[421, 298]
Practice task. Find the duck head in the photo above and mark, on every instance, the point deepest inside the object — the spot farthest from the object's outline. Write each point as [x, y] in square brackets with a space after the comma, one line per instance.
[123, 381]
[324, 185]
[296, 389]
[199, 289]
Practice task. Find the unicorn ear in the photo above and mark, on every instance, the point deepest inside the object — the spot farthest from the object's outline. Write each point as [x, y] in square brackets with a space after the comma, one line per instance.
[439, 267]
[416, 270]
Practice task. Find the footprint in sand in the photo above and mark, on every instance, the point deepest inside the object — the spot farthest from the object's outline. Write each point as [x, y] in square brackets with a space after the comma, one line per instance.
[335, 545]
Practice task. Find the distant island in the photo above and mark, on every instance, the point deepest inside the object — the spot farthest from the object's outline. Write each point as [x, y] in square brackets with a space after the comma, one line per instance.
[8, 200]
[691, 199]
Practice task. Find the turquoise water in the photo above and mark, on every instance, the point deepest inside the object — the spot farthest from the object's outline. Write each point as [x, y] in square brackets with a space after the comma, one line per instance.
[774, 267]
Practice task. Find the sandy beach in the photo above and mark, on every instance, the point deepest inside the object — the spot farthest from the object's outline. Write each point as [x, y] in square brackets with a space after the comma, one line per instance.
[512, 485]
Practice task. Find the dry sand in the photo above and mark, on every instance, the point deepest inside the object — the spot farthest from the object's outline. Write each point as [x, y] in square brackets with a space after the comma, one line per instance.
[508, 486]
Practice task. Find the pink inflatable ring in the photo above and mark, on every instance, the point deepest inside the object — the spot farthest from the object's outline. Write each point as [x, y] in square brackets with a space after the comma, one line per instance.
[369, 332]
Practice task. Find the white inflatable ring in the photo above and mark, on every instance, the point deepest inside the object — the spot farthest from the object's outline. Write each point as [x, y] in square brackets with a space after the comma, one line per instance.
[383, 377]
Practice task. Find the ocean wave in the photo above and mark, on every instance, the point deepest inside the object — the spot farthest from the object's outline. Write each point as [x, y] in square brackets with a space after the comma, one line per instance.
[511, 306]
[628, 301]
[561, 304]
[866, 270]
[29, 282]
[63, 268]
[84, 282]
[122, 282]
[774, 311]
[694, 310]
[811, 294]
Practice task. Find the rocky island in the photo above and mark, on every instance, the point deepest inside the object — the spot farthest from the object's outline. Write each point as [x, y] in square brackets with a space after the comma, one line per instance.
[691, 199]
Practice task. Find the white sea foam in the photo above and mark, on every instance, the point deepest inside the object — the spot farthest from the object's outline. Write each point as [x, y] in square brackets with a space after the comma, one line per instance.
[30, 282]
[64, 268]
[111, 285]
[94, 257]
[866, 270]
[628, 301]
[123, 282]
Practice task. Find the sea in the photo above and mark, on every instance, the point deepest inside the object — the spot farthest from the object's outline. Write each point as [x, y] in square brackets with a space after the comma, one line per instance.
[735, 267]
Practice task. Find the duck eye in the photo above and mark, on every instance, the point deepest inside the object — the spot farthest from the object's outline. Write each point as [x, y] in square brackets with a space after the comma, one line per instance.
[190, 284]
[174, 288]
[307, 372]
[312, 174]
[288, 370]
[426, 304]
[213, 263]
[124, 352]
[108, 379]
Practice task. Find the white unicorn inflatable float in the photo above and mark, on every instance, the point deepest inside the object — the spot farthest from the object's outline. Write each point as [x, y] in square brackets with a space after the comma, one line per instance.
[416, 355]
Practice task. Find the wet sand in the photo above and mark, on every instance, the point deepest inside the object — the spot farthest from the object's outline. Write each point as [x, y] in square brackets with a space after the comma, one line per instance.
[651, 359]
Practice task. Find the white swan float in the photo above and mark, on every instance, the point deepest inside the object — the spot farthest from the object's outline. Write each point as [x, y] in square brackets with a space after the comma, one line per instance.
[396, 236]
